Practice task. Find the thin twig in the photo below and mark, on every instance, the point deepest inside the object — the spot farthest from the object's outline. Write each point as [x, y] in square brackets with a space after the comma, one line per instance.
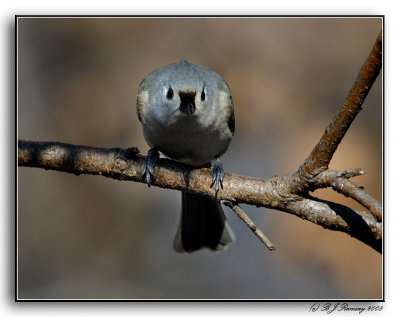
[338, 180]
[347, 188]
[246, 219]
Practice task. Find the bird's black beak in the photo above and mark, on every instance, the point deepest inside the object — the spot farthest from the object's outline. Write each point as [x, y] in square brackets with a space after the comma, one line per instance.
[187, 102]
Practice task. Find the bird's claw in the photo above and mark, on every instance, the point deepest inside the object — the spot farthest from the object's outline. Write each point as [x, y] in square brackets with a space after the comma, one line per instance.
[217, 172]
[149, 164]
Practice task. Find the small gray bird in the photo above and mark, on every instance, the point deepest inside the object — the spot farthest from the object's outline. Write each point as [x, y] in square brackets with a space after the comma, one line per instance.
[186, 111]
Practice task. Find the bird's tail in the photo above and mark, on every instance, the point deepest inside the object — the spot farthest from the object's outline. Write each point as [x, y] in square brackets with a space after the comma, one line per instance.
[202, 225]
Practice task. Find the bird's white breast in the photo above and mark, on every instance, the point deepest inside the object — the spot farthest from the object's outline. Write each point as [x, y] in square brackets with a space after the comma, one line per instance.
[187, 139]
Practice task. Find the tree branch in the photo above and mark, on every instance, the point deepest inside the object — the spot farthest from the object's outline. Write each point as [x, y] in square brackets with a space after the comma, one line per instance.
[288, 193]
[126, 164]
[323, 151]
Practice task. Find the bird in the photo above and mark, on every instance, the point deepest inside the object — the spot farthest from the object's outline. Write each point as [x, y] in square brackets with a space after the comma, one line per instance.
[186, 111]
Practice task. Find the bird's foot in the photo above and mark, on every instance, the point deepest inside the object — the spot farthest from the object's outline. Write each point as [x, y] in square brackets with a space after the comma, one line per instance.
[217, 172]
[149, 164]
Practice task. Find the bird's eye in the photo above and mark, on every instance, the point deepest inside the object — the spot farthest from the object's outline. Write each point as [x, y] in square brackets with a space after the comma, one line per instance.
[170, 93]
[203, 95]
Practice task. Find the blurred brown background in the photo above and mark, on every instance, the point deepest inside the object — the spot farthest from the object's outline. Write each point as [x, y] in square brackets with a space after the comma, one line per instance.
[92, 237]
